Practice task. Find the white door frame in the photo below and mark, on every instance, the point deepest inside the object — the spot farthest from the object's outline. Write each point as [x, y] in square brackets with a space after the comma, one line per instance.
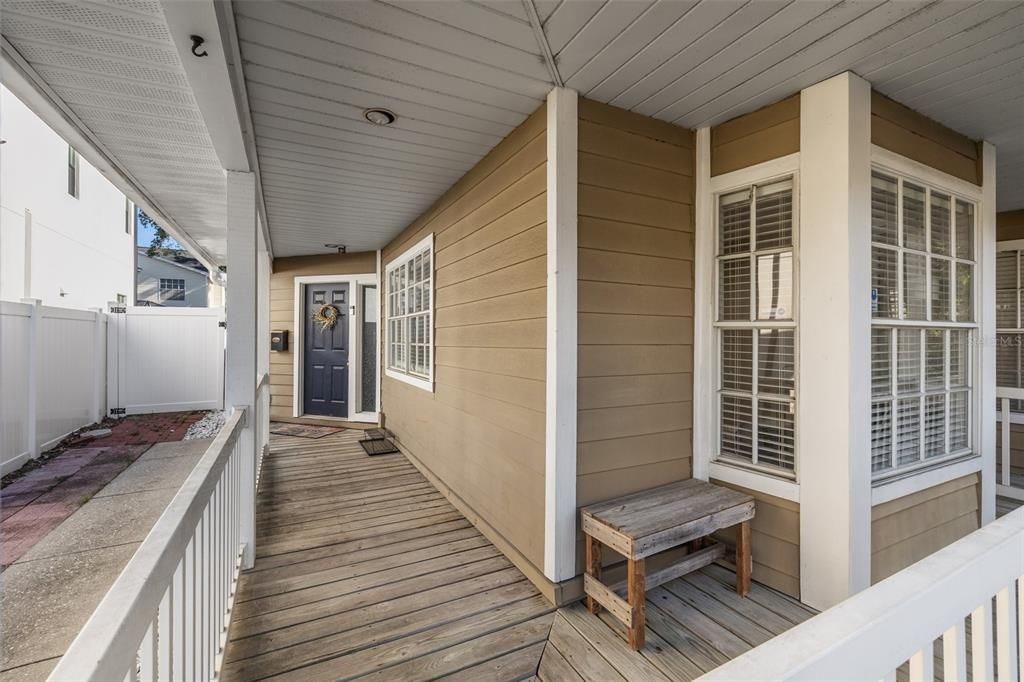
[356, 284]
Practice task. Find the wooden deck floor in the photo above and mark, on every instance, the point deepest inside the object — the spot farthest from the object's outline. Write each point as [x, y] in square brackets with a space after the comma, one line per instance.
[364, 569]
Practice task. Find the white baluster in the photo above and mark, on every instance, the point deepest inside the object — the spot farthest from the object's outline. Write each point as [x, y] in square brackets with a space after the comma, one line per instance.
[954, 653]
[981, 641]
[1004, 426]
[1006, 636]
[922, 665]
[165, 635]
[148, 654]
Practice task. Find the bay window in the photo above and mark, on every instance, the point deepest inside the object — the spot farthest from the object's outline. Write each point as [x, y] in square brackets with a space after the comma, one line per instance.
[756, 327]
[410, 331]
[923, 324]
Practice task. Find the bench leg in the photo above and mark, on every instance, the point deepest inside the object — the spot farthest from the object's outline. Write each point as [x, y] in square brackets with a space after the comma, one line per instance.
[744, 560]
[637, 588]
[593, 570]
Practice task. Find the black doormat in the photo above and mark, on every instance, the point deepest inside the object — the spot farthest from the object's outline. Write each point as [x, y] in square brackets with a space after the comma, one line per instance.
[378, 446]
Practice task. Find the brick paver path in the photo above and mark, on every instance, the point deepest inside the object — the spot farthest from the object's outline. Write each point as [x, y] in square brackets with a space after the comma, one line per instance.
[36, 503]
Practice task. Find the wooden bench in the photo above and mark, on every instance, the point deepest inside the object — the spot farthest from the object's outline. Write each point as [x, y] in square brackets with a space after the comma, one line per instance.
[645, 523]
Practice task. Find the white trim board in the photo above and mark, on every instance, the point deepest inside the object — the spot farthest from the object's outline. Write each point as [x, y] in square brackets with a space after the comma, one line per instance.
[562, 336]
[918, 481]
[355, 282]
[419, 382]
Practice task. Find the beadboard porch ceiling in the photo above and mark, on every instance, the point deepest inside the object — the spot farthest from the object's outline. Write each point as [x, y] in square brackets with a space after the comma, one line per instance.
[462, 75]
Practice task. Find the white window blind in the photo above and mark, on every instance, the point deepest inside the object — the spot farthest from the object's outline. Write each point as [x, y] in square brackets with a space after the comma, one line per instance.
[1009, 323]
[409, 283]
[756, 327]
[922, 278]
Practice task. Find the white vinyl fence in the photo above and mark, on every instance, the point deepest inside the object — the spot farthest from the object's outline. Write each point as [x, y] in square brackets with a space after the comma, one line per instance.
[907, 617]
[62, 369]
[52, 376]
[165, 359]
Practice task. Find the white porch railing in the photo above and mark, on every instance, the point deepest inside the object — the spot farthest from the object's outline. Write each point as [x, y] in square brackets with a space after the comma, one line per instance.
[1005, 485]
[870, 635]
[166, 616]
[262, 421]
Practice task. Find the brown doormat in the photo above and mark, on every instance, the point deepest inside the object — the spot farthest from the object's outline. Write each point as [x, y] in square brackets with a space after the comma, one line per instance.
[303, 430]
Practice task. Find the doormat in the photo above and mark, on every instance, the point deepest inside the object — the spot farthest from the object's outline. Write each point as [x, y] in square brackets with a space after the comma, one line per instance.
[303, 430]
[376, 442]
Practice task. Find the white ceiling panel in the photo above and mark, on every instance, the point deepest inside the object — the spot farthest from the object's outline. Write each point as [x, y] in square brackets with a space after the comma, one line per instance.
[461, 75]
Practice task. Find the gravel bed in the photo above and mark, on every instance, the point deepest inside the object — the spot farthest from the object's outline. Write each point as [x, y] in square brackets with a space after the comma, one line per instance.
[207, 427]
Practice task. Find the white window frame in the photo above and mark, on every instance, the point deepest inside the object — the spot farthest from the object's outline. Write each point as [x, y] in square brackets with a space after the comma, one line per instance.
[183, 288]
[1011, 245]
[904, 482]
[424, 383]
[706, 332]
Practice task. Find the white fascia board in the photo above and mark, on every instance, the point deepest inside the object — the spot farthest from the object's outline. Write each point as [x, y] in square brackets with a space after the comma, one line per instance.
[28, 86]
[208, 76]
[218, 85]
[562, 335]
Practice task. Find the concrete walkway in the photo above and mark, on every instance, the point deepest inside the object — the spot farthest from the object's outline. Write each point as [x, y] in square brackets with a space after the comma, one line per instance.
[49, 592]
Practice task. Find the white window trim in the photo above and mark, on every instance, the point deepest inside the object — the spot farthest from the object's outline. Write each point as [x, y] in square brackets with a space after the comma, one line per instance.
[706, 376]
[355, 282]
[426, 384]
[949, 467]
[1010, 245]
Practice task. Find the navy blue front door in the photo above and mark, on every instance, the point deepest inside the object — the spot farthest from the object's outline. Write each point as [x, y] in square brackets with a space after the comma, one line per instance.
[325, 382]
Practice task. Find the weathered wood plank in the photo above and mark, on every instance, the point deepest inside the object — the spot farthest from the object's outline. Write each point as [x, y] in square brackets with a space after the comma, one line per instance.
[615, 604]
[579, 653]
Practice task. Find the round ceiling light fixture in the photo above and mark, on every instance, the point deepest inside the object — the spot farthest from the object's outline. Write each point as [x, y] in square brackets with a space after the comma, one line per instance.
[380, 117]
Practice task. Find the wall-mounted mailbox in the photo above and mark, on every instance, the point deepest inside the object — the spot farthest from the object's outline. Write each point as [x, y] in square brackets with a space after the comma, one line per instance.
[279, 340]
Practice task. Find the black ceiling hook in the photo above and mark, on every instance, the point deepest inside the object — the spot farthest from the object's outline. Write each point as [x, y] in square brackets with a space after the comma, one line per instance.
[197, 41]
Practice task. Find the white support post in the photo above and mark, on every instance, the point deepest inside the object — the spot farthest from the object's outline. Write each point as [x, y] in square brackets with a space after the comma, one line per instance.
[240, 370]
[835, 328]
[987, 381]
[32, 399]
[99, 355]
[560, 424]
[27, 268]
[704, 311]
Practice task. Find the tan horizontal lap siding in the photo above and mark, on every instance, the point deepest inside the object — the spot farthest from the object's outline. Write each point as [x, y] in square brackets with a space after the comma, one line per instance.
[915, 136]
[910, 528]
[759, 136]
[1016, 447]
[774, 541]
[282, 313]
[481, 432]
[1009, 225]
[635, 316]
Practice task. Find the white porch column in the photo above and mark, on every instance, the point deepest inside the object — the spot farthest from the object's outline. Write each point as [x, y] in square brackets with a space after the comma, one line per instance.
[987, 381]
[560, 423]
[240, 361]
[835, 328]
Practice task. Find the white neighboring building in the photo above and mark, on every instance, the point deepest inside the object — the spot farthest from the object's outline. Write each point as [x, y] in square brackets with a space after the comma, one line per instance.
[66, 233]
[174, 279]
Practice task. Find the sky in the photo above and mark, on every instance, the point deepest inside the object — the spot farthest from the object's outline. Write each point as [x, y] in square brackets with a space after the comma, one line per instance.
[144, 235]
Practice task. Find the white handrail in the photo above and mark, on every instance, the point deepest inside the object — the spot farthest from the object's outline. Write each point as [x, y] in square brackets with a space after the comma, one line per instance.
[166, 615]
[870, 635]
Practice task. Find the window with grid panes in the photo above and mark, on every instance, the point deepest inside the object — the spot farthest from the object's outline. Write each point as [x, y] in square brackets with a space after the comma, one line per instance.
[409, 325]
[756, 327]
[1010, 323]
[923, 325]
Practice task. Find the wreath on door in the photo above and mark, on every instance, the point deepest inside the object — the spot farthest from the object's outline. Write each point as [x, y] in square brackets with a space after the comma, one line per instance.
[326, 316]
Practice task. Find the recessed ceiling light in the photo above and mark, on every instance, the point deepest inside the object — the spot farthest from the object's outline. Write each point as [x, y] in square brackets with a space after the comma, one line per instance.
[381, 117]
